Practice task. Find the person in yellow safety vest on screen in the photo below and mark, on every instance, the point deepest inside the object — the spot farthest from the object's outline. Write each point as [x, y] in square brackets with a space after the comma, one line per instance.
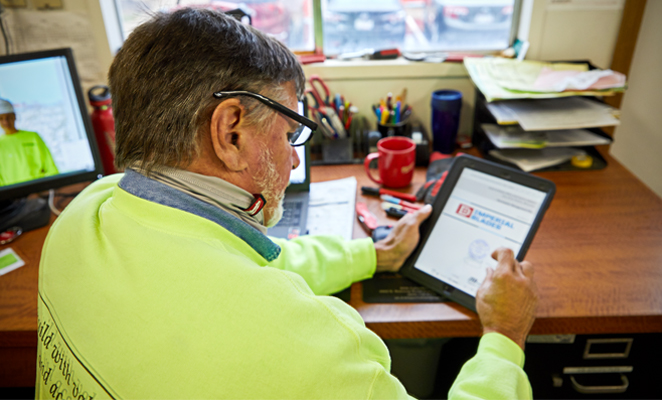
[23, 154]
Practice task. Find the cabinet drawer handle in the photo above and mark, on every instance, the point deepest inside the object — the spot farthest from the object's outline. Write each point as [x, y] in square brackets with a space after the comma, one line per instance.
[601, 389]
[624, 354]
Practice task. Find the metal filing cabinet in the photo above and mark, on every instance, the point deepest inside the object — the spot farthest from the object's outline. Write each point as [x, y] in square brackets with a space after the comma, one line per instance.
[623, 366]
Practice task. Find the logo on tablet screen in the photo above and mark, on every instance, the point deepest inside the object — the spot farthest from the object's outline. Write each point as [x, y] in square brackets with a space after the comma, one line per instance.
[464, 210]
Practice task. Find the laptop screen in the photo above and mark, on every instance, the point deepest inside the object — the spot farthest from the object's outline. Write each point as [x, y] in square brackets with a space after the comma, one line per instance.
[298, 175]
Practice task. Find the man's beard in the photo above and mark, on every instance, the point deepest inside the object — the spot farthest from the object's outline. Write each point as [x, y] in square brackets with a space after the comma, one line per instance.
[267, 181]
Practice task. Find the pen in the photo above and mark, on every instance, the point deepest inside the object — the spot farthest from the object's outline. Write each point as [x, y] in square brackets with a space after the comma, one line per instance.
[403, 203]
[373, 191]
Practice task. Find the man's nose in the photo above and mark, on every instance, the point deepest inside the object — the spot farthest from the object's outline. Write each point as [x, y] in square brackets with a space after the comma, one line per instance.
[295, 158]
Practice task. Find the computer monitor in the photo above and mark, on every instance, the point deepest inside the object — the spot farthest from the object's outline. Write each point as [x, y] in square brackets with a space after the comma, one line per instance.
[46, 138]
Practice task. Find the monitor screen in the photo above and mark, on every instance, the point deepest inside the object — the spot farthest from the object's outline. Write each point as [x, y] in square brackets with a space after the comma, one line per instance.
[46, 140]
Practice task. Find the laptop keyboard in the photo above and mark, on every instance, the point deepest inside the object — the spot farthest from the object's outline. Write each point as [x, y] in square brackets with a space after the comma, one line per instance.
[291, 213]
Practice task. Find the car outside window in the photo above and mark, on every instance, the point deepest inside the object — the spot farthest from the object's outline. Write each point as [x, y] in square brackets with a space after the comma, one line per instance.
[290, 21]
[357, 25]
[416, 25]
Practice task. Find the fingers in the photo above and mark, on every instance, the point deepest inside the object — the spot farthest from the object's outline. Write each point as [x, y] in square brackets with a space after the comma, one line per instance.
[527, 269]
[488, 276]
[422, 214]
[414, 219]
[506, 258]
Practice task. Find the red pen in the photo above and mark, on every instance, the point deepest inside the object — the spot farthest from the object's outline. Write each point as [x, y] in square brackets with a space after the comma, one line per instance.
[370, 191]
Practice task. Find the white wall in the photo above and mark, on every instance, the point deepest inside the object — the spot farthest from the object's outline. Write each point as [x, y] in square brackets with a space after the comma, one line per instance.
[638, 140]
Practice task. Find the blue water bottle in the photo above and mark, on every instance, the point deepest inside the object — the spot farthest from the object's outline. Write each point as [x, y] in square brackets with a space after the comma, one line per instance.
[446, 106]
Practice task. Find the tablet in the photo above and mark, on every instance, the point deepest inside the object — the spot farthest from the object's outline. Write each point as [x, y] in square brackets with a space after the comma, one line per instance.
[481, 206]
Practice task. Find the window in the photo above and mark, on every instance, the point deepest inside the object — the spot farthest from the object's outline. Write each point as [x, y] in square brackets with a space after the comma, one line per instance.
[416, 25]
[356, 25]
[290, 21]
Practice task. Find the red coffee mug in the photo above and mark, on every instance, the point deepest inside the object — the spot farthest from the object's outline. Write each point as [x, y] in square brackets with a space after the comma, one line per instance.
[397, 158]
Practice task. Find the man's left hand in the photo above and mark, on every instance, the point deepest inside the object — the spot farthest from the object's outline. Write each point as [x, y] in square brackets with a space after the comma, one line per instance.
[399, 244]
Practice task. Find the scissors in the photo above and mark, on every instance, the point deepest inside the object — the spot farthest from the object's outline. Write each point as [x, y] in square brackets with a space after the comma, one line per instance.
[315, 83]
[322, 107]
[319, 110]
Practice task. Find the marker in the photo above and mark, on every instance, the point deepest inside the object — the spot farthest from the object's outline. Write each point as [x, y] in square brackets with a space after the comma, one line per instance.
[386, 206]
[395, 213]
[403, 203]
[373, 191]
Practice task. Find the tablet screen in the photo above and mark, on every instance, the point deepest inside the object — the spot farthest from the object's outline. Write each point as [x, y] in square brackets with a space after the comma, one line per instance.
[483, 212]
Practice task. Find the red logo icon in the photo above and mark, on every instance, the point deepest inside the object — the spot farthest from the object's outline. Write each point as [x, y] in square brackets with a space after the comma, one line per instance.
[464, 210]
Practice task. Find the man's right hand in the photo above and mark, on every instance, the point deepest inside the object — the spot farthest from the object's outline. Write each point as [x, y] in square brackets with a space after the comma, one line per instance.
[507, 299]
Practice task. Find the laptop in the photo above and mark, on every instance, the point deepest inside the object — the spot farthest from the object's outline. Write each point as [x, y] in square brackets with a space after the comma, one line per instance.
[295, 204]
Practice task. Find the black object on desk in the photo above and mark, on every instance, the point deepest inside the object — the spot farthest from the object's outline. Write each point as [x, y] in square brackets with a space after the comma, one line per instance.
[395, 288]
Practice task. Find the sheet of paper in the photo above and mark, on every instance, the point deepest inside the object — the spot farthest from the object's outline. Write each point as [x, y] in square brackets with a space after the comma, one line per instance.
[331, 207]
[9, 261]
[502, 113]
[514, 137]
[568, 113]
[531, 160]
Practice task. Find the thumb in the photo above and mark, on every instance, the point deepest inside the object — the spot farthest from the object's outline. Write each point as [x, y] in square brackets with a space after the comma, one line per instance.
[422, 214]
[490, 273]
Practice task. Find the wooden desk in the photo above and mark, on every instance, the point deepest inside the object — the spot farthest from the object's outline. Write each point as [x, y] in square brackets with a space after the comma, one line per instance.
[597, 257]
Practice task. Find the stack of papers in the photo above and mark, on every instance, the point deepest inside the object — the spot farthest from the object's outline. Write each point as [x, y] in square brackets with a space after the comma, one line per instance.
[331, 207]
[514, 137]
[555, 114]
[501, 79]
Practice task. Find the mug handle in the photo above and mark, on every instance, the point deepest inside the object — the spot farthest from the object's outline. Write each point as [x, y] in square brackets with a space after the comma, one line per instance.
[366, 164]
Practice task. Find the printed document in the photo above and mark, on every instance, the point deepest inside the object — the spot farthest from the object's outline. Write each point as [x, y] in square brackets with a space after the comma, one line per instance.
[331, 207]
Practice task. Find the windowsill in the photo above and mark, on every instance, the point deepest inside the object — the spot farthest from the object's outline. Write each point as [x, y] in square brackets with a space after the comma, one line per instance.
[381, 69]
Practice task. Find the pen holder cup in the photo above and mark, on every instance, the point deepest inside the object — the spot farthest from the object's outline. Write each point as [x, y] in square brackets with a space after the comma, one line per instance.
[402, 128]
[337, 151]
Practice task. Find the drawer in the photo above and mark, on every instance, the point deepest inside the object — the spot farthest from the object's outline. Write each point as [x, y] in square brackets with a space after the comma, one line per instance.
[594, 366]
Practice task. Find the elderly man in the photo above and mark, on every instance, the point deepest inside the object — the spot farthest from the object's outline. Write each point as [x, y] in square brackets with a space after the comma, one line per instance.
[23, 154]
[161, 283]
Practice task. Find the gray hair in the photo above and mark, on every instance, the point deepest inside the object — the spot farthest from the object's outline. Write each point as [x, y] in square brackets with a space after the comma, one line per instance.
[163, 79]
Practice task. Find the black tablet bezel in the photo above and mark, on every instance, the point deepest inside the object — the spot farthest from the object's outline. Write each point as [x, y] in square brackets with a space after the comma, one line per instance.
[488, 167]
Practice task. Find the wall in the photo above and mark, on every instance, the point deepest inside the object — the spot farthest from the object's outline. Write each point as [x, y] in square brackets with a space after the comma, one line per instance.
[76, 25]
[575, 30]
[638, 143]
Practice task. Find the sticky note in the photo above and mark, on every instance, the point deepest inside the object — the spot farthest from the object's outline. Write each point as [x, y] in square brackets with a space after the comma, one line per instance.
[9, 261]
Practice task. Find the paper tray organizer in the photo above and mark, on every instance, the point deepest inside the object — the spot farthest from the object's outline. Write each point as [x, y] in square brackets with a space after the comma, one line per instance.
[482, 115]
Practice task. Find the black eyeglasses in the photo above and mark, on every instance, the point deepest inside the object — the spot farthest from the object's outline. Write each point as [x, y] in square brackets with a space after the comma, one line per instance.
[299, 136]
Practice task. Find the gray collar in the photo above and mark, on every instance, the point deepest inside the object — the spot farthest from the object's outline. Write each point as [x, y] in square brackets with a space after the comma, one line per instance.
[212, 190]
[158, 192]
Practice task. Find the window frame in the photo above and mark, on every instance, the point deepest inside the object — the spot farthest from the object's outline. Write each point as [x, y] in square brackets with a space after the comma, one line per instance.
[112, 12]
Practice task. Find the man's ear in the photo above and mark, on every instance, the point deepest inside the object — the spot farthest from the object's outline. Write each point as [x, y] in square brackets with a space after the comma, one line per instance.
[229, 134]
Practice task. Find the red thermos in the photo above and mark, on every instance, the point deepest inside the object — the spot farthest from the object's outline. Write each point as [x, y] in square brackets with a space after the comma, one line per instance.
[104, 125]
